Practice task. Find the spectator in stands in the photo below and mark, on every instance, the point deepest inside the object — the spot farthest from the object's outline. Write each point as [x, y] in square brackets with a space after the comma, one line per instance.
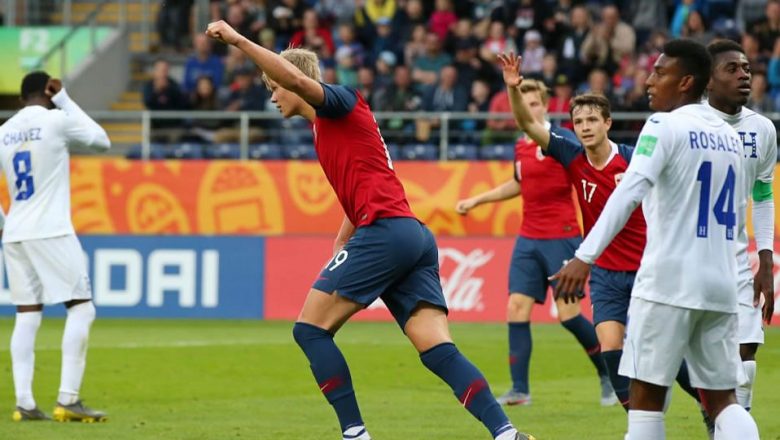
[598, 82]
[246, 94]
[479, 103]
[446, 96]
[461, 31]
[521, 16]
[500, 129]
[238, 17]
[346, 37]
[425, 70]
[234, 61]
[173, 23]
[204, 98]
[163, 93]
[415, 47]
[267, 39]
[285, 18]
[399, 96]
[497, 42]
[549, 72]
[385, 40]
[373, 10]
[611, 40]
[752, 48]
[366, 86]
[561, 99]
[569, 48]
[465, 58]
[767, 30]
[202, 63]
[384, 66]
[346, 67]
[696, 29]
[749, 12]
[313, 36]
[645, 17]
[760, 100]
[442, 19]
[533, 53]
[336, 12]
[635, 99]
[773, 69]
[679, 17]
[329, 75]
[407, 18]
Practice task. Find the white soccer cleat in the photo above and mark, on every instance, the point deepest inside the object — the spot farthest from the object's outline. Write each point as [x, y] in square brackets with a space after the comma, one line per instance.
[356, 433]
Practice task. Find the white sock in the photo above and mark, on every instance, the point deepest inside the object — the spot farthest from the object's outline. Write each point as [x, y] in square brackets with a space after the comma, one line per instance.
[745, 390]
[509, 434]
[23, 356]
[734, 423]
[646, 425]
[356, 433]
[74, 351]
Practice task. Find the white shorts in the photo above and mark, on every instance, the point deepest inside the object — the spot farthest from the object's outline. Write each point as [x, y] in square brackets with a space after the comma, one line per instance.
[46, 271]
[751, 324]
[660, 336]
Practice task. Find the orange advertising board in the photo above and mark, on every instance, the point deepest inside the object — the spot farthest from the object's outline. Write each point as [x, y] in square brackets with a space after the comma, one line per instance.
[118, 196]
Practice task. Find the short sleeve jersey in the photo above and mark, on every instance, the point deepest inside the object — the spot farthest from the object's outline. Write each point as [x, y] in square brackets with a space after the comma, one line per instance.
[355, 158]
[548, 205]
[759, 142]
[594, 186]
[694, 161]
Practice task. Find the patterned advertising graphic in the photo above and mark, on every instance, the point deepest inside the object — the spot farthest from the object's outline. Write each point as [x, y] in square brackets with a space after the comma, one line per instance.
[170, 277]
[117, 196]
[474, 277]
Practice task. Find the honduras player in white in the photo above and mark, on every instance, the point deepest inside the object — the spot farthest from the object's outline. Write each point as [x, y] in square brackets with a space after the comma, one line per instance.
[685, 170]
[43, 257]
[728, 92]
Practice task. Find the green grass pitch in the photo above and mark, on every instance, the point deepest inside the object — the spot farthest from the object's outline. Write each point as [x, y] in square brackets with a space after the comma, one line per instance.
[185, 379]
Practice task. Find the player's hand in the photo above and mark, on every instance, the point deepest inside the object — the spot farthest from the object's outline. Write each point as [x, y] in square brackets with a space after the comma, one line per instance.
[764, 284]
[53, 86]
[465, 205]
[510, 65]
[571, 279]
[221, 31]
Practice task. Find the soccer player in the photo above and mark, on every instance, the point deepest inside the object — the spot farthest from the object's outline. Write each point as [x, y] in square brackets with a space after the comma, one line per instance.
[685, 167]
[43, 257]
[548, 237]
[727, 93]
[595, 165]
[381, 250]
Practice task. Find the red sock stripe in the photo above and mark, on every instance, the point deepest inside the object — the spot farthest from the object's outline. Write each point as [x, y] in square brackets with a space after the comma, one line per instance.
[512, 359]
[331, 384]
[468, 396]
[594, 350]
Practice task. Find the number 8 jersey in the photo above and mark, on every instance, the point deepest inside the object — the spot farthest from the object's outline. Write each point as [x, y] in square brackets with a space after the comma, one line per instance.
[34, 155]
[693, 159]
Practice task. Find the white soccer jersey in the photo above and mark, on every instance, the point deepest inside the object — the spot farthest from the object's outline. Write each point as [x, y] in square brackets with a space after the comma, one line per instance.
[693, 160]
[34, 155]
[759, 140]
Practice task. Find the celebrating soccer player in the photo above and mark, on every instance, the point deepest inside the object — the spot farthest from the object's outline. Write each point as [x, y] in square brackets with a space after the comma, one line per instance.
[686, 168]
[548, 237]
[43, 256]
[381, 251]
[727, 93]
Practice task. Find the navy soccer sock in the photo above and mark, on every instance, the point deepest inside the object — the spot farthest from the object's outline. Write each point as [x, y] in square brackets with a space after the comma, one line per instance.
[685, 382]
[331, 372]
[619, 383]
[520, 345]
[583, 330]
[468, 384]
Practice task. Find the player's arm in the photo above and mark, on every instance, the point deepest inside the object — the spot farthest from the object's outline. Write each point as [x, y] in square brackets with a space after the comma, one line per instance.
[510, 65]
[274, 66]
[507, 190]
[764, 229]
[345, 233]
[81, 131]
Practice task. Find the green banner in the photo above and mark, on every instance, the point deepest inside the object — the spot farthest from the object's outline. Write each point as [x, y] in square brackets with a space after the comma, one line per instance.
[21, 49]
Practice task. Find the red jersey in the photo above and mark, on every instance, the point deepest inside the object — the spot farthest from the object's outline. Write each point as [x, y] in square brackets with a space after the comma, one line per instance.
[594, 186]
[548, 206]
[355, 159]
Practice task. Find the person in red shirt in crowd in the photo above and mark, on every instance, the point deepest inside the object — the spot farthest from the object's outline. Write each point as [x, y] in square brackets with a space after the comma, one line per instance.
[381, 250]
[548, 238]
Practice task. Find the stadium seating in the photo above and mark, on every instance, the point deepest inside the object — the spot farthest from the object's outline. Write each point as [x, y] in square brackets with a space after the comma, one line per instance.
[222, 151]
[497, 152]
[419, 152]
[155, 151]
[463, 152]
[265, 151]
[185, 150]
[299, 152]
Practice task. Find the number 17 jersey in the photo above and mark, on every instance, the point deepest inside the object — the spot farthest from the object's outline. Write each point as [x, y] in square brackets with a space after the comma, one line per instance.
[693, 160]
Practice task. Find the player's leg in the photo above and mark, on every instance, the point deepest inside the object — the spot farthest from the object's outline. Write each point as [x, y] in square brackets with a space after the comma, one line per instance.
[747, 353]
[527, 286]
[418, 305]
[656, 341]
[555, 254]
[27, 295]
[714, 369]
[751, 335]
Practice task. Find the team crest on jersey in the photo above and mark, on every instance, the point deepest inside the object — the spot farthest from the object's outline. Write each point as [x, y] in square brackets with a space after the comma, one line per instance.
[539, 153]
[618, 178]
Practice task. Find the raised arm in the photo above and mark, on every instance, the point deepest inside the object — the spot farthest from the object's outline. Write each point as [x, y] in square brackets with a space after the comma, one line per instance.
[510, 65]
[274, 66]
[507, 190]
[82, 132]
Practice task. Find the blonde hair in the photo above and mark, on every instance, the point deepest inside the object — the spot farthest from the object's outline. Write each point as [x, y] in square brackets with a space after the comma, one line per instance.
[305, 60]
[533, 85]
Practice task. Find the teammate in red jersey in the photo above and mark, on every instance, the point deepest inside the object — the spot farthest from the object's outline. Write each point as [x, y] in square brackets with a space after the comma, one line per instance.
[595, 165]
[381, 251]
[548, 237]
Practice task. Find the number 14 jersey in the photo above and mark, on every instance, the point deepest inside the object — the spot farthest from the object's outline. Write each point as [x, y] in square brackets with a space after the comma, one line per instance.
[693, 160]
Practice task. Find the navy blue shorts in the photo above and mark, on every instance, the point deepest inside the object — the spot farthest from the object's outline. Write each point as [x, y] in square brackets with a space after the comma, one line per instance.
[610, 294]
[395, 259]
[533, 261]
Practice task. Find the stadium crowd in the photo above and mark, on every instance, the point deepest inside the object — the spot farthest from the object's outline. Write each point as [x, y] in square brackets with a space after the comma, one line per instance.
[440, 55]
